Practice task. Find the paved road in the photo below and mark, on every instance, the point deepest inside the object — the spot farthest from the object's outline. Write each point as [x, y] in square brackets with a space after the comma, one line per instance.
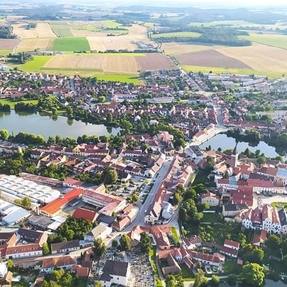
[139, 220]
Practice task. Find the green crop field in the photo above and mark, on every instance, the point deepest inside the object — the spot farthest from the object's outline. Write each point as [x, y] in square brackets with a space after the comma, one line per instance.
[109, 24]
[71, 44]
[176, 34]
[35, 65]
[275, 40]
[124, 78]
[61, 29]
[220, 70]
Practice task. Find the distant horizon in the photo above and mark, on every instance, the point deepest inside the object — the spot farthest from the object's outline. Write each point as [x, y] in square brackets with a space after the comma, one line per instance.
[185, 3]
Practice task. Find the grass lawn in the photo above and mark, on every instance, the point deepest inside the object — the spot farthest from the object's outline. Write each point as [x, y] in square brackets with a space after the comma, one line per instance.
[275, 40]
[61, 29]
[12, 103]
[35, 65]
[176, 34]
[71, 44]
[219, 70]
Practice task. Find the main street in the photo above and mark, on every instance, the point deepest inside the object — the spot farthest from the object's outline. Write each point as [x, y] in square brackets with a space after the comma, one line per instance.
[158, 179]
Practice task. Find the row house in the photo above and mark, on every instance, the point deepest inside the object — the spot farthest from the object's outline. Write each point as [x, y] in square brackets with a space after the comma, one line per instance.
[264, 218]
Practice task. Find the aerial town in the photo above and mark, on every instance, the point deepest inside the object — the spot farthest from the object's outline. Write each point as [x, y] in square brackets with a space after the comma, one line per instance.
[149, 203]
[173, 175]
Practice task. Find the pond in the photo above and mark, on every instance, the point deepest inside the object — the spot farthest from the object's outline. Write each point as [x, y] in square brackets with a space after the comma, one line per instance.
[224, 142]
[47, 126]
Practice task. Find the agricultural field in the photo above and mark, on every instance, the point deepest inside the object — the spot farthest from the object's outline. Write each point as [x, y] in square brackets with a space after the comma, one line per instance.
[275, 40]
[42, 64]
[71, 44]
[61, 29]
[136, 34]
[88, 29]
[210, 58]
[35, 65]
[41, 30]
[129, 63]
[258, 58]
[33, 44]
[8, 44]
[176, 35]
[123, 67]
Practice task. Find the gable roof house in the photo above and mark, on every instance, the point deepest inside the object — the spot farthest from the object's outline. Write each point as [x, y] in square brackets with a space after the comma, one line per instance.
[115, 273]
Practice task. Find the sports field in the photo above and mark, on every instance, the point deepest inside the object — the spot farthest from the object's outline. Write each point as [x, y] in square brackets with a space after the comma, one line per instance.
[72, 44]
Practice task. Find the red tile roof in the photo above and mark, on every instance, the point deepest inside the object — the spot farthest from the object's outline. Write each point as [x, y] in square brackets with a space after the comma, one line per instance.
[55, 205]
[231, 243]
[82, 213]
[58, 261]
[82, 272]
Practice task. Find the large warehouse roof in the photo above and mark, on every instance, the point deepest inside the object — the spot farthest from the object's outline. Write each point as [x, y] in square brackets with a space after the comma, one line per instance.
[16, 188]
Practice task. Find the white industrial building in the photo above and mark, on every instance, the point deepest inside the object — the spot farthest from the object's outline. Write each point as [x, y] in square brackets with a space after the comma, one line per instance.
[13, 187]
[12, 214]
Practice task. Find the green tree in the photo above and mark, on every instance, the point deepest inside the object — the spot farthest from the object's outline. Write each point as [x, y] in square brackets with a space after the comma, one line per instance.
[99, 248]
[4, 134]
[145, 242]
[200, 279]
[10, 264]
[253, 275]
[67, 280]
[125, 242]
[109, 176]
[45, 249]
[98, 284]
[214, 281]
[57, 275]
[232, 279]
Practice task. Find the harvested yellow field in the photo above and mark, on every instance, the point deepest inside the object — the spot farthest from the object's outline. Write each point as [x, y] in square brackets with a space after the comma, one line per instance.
[259, 57]
[86, 33]
[27, 45]
[42, 30]
[122, 63]
[99, 62]
[137, 34]
[178, 48]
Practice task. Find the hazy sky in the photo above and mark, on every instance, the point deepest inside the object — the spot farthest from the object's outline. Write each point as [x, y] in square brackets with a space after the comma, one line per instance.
[206, 3]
